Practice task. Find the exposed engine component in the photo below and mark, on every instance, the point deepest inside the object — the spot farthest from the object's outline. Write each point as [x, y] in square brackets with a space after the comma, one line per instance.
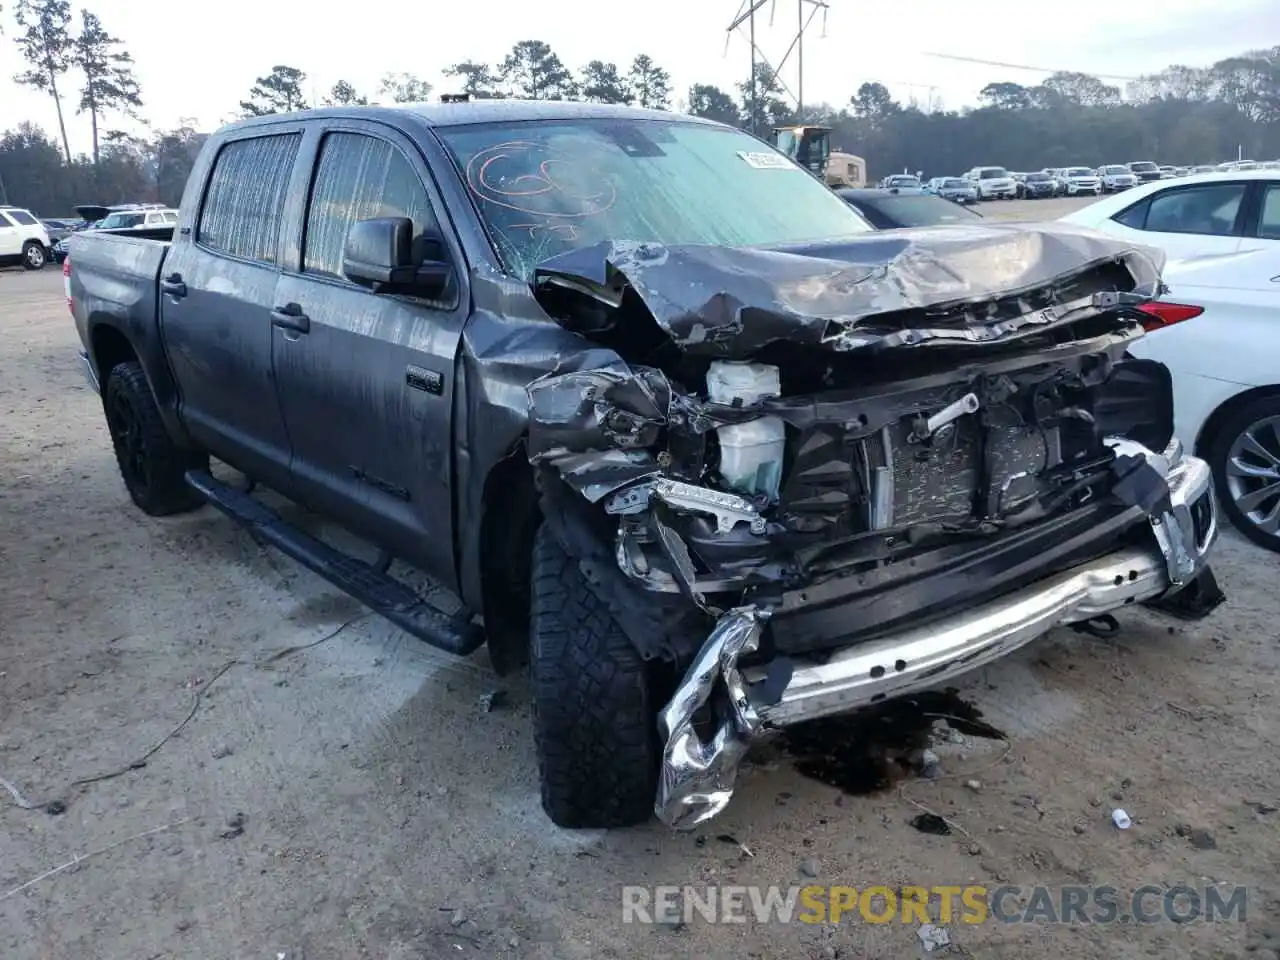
[750, 453]
[943, 419]
[728, 509]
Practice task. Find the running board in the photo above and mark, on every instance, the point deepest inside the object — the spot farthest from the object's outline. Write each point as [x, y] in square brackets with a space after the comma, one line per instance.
[378, 591]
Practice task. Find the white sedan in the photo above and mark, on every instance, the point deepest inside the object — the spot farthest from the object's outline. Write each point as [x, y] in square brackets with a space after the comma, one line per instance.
[1218, 331]
[1191, 216]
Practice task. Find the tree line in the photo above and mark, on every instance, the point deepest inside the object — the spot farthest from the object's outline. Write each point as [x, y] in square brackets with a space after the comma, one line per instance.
[1181, 115]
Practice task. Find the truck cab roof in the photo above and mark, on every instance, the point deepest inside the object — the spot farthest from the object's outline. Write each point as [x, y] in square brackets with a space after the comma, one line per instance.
[480, 111]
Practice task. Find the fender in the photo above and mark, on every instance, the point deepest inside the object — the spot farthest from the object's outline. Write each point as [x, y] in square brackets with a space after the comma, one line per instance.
[112, 339]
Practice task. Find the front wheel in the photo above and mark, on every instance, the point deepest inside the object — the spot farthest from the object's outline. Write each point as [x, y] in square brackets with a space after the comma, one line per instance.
[1245, 456]
[152, 465]
[595, 712]
[33, 255]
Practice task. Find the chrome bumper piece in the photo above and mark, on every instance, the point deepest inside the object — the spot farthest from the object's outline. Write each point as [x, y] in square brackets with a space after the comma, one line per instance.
[697, 775]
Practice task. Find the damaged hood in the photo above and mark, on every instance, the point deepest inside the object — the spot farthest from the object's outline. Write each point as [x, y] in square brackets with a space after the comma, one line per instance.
[840, 295]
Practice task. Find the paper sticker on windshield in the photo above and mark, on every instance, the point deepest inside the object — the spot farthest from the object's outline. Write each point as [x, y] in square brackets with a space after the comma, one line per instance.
[767, 161]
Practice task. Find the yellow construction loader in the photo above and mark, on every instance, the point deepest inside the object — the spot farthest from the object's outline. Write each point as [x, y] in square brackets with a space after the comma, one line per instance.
[810, 146]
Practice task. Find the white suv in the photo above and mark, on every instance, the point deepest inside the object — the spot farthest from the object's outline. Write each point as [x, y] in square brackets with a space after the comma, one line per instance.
[993, 183]
[1078, 180]
[23, 239]
[1116, 176]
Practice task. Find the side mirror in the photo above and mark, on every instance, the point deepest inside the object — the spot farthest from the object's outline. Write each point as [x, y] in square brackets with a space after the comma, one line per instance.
[383, 254]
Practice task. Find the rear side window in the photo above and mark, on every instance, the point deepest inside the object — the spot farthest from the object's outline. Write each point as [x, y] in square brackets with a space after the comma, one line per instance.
[5, 221]
[1208, 210]
[1134, 217]
[244, 202]
[359, 178]
[22, 218]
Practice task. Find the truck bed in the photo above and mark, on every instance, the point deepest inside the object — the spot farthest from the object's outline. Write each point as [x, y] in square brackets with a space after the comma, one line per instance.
[117, 275]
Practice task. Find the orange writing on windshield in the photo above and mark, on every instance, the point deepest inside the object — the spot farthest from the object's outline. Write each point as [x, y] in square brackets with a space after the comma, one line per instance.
[528, 177]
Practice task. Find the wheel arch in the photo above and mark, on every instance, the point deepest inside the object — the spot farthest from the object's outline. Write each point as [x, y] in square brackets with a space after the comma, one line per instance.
[110, 343]
[109, 346]
[509, 521]
[1209, 429]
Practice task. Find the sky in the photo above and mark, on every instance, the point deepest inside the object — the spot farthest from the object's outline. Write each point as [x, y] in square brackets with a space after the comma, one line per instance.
[197, 61]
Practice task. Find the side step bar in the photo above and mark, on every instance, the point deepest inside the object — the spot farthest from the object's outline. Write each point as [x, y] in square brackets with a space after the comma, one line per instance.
[378, 591]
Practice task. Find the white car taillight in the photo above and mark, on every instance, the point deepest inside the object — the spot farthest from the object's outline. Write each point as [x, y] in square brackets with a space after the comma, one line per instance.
[66, 280]
[1162, 313]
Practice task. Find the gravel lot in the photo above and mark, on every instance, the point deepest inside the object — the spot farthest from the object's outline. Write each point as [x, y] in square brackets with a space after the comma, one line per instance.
[355, 800]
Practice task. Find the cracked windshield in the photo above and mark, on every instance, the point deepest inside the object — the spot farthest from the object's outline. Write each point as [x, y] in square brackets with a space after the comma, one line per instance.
[732, 479]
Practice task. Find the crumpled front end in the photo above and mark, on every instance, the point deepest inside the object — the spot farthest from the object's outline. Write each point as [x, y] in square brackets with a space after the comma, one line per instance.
[851, 472]
[748, 699]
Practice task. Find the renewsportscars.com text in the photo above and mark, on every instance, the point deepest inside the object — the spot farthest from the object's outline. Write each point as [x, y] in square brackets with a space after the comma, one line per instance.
[969, 904]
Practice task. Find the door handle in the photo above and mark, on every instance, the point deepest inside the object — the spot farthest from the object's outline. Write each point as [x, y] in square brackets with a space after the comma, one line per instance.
[291, 317]
[173, 286]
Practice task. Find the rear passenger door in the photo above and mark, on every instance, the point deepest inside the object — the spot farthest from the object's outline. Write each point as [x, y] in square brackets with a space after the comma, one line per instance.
[218, 288]
[367, 384]
[1188, 221]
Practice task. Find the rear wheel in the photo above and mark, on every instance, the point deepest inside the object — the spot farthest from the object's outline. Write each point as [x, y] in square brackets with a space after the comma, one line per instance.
[595, 714]
[152, 465]
[1245, 456]
[33, 255]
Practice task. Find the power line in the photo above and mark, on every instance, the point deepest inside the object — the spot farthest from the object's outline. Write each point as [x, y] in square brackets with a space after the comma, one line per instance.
[746, 15]
[1023, 66]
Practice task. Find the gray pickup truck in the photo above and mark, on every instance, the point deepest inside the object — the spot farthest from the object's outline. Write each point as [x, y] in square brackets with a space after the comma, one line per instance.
[675, 427]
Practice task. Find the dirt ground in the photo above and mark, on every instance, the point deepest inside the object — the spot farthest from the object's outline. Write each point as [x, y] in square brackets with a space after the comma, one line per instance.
[357, 800]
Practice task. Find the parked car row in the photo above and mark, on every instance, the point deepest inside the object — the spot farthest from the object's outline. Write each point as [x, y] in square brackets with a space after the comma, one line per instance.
[122, 218]
[980, 183]
[33, 241]
[998, 183]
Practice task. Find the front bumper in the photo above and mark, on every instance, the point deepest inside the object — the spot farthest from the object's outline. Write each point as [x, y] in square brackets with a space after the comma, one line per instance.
[698, 774]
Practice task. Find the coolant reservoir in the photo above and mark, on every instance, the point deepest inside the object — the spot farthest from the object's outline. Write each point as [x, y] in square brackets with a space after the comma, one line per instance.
[750, 453]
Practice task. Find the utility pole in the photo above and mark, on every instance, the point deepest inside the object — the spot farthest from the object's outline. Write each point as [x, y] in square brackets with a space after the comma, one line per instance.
[755, 111]
[749, 17]
[800, 25]
[806, 10]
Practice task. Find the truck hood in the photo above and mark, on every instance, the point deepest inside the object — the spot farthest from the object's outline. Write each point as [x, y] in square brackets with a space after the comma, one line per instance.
[895, 288]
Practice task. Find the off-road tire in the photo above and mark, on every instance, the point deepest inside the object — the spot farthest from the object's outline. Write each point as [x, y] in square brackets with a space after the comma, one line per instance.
[151, 464]
[34, 256]
[1219, 448]
[595, 720]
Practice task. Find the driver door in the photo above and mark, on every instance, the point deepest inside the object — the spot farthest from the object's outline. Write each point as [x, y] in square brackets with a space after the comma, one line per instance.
[366, 380]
